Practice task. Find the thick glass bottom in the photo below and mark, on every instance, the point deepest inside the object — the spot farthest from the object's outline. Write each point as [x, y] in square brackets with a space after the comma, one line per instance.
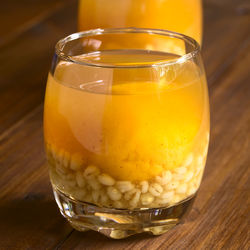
[120, 223]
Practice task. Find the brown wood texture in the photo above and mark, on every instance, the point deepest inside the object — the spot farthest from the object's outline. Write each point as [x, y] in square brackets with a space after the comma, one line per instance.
[29, 218]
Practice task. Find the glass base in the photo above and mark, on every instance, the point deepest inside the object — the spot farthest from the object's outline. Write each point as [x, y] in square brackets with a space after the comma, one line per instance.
[120, 223]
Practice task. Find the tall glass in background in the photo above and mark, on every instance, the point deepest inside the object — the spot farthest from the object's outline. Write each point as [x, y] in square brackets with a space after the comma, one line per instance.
[183, 16]
[126, 129]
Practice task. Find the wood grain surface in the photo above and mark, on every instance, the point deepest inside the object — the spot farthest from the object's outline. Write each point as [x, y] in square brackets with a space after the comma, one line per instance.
[29, 217]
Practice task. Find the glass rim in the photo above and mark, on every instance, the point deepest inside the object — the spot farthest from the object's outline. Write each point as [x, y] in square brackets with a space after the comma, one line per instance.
[95, 32]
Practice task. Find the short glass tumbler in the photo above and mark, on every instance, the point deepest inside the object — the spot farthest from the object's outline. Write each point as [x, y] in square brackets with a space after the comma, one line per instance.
[126, 129]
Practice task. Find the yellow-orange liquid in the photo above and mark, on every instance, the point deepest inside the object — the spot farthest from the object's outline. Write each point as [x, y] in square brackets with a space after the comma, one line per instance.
[183, 16]
[131, 123]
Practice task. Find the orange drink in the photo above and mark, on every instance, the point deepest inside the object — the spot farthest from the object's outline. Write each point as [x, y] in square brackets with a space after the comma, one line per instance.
[132, 130]
[125, 129]
[183, 16]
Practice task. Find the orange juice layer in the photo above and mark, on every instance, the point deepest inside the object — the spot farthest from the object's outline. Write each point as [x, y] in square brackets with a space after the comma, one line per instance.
[183, 16]
[131, 123]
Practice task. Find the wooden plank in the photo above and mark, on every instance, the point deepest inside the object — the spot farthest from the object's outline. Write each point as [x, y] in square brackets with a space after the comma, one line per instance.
[229, 3]
[225, 31]
[28, 213]
[23, 15]
[26, 64]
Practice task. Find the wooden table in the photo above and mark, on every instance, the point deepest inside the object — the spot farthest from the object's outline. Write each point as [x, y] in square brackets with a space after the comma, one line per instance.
[29, 218]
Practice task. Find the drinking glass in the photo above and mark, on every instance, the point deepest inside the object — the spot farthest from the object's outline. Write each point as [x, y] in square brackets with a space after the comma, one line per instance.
[183, 16]
[126, 129]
